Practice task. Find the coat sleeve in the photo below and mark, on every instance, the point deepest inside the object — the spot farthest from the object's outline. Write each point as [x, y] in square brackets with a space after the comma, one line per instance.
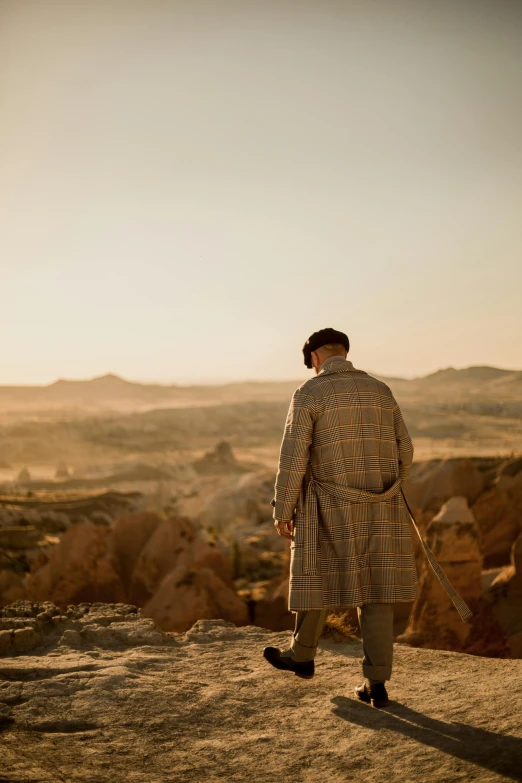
[294, 454]
[403, 442]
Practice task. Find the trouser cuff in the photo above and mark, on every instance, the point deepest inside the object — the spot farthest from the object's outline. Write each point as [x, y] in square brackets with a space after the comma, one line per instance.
[300, 652]
[380, 673]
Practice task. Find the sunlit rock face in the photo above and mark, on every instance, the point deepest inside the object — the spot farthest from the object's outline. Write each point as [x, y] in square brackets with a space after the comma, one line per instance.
[187, 595]
[98, 693]
[219, 460]
[130, 533]
[174, 543]
[12, 587]
[136, 558]
[246, 502]
[25, 625]
[505, 598]
[436, 481]
[498, 513]
[79, 569]
[455, 540]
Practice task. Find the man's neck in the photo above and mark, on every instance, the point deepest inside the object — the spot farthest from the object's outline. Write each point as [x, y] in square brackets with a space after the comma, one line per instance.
[330, 359]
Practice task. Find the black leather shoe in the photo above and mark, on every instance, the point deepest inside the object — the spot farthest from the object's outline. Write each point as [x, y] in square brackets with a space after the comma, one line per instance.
[376, 695]
[304, 669]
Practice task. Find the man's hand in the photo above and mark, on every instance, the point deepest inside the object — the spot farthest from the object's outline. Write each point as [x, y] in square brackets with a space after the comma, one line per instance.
[284, 527]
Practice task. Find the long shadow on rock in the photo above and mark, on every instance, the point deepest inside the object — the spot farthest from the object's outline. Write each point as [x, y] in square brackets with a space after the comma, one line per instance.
[499, 753]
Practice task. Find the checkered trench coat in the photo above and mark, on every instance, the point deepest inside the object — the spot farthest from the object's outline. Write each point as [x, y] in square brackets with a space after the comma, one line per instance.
[344, 453]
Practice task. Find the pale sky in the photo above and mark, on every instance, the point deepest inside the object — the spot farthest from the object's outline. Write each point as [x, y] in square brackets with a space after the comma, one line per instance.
[189, 189]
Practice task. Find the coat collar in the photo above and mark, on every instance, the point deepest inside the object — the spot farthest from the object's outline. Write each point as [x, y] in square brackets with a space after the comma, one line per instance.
[336, 364]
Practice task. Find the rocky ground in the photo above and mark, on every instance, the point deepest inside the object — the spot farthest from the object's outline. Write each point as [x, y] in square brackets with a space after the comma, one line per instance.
[97, 694]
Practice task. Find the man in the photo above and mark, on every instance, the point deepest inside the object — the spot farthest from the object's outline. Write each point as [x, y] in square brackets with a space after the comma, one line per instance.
[344, 454]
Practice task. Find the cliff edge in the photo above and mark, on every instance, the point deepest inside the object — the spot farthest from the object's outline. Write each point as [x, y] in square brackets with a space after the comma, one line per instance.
[99, 694]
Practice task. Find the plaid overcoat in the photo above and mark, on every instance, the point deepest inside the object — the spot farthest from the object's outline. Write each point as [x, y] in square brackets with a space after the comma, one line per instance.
[344, 454]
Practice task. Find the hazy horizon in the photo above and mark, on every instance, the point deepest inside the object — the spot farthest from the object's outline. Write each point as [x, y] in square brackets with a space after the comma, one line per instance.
[267, 379]
[189, 190]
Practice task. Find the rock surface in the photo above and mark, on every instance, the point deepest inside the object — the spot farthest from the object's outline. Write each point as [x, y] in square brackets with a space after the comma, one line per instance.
[104, 696]
[130, 533]
[499, 518]
[173, 543]
[12, 587]
[188, 594]
[227, 527]
[79, 568]
[433, 482]
[455, 540]
[246, 501]
[505, 598]
[220, 460]
[133, 562]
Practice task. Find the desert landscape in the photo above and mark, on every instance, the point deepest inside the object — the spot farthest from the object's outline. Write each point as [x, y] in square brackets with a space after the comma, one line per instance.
[159, 497]
[200, 203]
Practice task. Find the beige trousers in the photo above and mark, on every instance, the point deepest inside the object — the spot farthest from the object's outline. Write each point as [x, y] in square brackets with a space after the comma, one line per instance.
[376, 622]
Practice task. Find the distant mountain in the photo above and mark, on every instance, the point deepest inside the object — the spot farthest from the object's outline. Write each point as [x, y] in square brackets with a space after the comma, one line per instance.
[112, 392]
[480, 381]
[108, 386]
[476, 374]
[106, 381]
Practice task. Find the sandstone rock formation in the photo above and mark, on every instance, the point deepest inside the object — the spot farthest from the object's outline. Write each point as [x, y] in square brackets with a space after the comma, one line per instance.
[245, 503]
[267, 594]
[137, 558]
[130, 533]
[30, 525]
[455, 540]
[79, 568]
[174, 542]
[433, 482]
[207, 554]
[54, 514]
[98, 694]
[488, 575]
[512, 467]
[12, 587]
[25, 625]
[260, 556]
[19, 537]
[219, 460]
[140, 550]
[62, 472]
[505, 598]
[499, 518]
[187, 595]
[271, 610]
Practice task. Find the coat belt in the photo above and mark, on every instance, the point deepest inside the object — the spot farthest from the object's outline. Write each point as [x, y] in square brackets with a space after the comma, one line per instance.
[311, 530]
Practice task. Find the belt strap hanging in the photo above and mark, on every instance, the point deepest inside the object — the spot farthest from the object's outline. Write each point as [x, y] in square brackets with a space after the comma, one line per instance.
[311, 539]
[460, 605]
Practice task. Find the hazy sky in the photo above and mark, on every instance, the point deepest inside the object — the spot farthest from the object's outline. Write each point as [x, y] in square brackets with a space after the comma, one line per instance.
[189, 189]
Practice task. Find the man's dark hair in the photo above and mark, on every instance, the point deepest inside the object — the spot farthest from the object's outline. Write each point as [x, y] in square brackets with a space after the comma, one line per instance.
[323, 337]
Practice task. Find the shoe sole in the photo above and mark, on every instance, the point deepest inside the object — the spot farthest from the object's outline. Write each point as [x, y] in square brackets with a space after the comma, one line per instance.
[367, 700]
[283, 668]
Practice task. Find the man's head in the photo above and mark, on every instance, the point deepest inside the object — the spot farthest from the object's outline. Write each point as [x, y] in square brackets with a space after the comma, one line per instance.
[324, 344]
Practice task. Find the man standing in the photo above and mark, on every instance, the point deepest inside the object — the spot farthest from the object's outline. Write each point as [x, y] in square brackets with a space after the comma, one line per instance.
[344, 454]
